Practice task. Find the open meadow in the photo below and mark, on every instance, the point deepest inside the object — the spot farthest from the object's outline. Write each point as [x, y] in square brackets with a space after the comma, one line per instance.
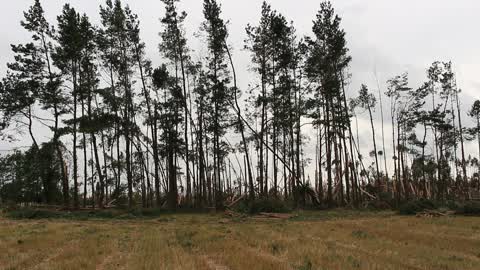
[310, 240]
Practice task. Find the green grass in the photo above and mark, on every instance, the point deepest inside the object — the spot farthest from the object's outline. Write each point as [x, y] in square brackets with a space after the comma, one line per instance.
[116, 214]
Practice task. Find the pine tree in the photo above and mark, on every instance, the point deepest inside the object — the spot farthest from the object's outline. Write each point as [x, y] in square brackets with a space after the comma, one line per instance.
[174, 48]
[95, 121]
[51, 95]
[171, 107]
[221, 95]
[326, 63]
[116, 43]
[203, 106]
[144, 66]
[67, 57]
[108, 40]
[258, 44]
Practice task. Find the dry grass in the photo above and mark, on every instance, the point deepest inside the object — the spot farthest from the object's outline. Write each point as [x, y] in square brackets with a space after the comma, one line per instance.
[320, 240]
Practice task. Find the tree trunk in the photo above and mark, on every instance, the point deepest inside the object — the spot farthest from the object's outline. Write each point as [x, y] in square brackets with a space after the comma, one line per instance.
[241, 128]
[329, 155]
[464, 163]
[153, 121]
[374, 145]
[75, 162]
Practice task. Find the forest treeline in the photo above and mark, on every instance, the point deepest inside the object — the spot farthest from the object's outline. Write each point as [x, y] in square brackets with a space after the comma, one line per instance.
[182, 134]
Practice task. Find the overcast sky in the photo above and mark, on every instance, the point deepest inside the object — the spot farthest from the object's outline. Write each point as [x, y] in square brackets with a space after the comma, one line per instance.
[390, 36]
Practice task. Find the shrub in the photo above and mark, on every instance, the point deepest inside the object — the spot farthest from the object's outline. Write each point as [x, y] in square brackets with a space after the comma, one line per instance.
[378, 205]
[416, 206]
[471, 208]
[146, 212]
[270, 205]
[242, 207]
[33, 214]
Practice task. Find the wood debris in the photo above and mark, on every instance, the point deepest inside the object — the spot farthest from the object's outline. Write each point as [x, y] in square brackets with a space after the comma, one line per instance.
[274, 215]
[434, 213]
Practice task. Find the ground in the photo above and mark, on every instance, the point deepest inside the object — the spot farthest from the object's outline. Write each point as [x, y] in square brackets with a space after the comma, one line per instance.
[312, 240]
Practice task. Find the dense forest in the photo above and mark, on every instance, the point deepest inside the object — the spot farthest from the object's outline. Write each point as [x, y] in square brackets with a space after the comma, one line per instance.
[128, 132]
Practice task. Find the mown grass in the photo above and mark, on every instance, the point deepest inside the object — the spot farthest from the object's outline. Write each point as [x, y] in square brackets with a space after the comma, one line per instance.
[341, 239]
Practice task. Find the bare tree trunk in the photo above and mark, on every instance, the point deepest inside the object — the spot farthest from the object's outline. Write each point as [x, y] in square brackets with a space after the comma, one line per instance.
[374, 144]
[478, 141]
[93, 174]
[172, 176]
[153, 121]
[85, 163]
[383, 129]
[202, 165]
[320, 173]
[185, 95]
[75, 162]
[265, 187]
[329, 155]
[347, 170]
[338, 167]
[261, 164]
[395, 156]
[464, 165]
[285, 158]
[242, 129]
[424, 177]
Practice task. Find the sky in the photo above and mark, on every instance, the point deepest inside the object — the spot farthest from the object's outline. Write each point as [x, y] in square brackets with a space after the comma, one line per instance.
[385, 38]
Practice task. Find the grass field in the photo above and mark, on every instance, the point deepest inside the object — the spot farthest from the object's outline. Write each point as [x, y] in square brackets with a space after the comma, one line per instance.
[312, 240]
